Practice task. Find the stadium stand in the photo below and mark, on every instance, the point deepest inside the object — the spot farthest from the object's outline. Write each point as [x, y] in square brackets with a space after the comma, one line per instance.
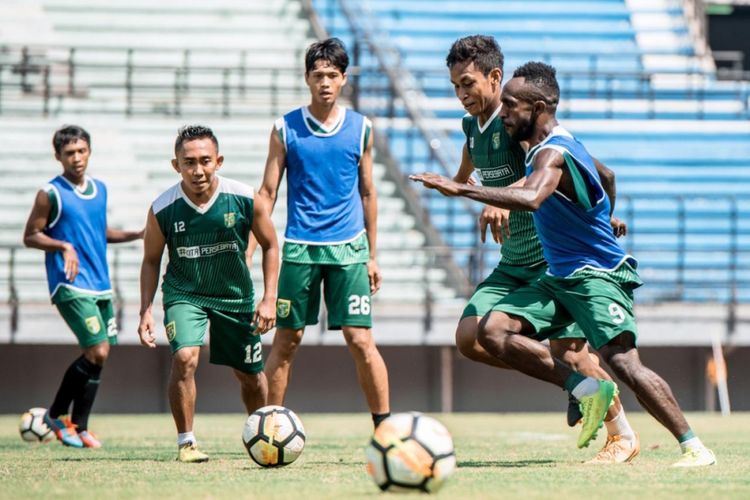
[130, 73]
[638, 88]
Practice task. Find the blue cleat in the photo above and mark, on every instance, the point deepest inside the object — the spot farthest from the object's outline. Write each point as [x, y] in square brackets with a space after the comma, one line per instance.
[64, 430]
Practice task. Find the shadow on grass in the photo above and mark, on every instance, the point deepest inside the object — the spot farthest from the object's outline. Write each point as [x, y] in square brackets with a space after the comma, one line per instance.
[506, 463]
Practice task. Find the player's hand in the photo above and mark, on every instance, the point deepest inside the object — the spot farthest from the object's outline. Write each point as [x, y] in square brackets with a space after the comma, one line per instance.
[70, 260]
[373, 272]
[618, 227]
[498, 219]
[146, 330]
[446, 186]
[265, 316]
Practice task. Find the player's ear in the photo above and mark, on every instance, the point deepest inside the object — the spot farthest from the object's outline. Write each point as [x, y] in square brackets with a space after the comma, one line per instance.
[175, 165]
[539, 107]
[219, 161]
[343, 81]
[496, 76]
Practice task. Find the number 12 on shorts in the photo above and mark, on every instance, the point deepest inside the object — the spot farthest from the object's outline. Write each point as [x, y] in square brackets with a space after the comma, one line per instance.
[359, 305]
[253, 353]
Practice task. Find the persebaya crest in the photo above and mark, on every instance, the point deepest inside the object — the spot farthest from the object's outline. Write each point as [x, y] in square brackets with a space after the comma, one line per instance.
[229, 219]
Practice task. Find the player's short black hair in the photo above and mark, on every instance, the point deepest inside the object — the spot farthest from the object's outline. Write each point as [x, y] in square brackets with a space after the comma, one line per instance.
[543, 78]
[193, 132]
[482, 50]
[331, 50]
[67, 134]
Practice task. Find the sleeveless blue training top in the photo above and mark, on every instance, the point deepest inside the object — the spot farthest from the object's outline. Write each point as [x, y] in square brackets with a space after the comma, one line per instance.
[576, 235]
[323, 202]
[81, 220]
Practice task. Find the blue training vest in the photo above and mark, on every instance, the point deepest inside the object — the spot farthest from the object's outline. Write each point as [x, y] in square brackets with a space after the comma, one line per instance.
[323, 202]
[576, 235]
[81, 221]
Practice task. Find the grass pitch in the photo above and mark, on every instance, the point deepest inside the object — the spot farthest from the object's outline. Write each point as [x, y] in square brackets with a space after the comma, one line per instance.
[499, 456]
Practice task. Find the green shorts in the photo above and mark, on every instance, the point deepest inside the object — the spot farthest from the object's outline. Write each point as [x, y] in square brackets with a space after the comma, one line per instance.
[233, 342]
[504, 280]
[91, 318]
[601, 305]
[346, 290]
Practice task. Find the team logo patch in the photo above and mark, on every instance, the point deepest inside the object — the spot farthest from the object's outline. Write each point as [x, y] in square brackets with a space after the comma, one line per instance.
[92, 323]
[229, 219]
[171, 330]
[283, 308]
[496, 140]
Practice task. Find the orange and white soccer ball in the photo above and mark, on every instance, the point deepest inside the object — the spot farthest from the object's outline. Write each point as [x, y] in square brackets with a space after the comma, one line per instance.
[273, 436]
[410, 451]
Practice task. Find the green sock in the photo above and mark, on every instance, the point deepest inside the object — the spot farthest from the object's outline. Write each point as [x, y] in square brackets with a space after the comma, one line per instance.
[573, 380]
[688, 435]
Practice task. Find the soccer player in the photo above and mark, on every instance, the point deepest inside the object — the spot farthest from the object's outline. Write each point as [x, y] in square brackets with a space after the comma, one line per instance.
[69, 222]
[331, 230]
[476, 68]
[590, 278]
[205, 222]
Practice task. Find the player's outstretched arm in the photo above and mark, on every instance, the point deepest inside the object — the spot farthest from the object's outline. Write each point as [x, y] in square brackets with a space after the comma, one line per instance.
[542, 182]
[465, 169]
[272, 175]
[369, 196]
[153, 248]
[122, 236]
[265, 235]
[34, 237]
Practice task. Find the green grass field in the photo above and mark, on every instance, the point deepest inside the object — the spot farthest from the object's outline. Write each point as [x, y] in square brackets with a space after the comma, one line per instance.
[499, 456]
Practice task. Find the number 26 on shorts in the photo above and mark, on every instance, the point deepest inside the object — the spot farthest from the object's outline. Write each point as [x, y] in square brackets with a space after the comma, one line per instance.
[359, 305]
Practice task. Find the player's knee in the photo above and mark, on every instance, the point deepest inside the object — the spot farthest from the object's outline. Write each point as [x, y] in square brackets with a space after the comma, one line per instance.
[250, 381]
[360, 342]
[286, 342]
[466, 342]
[97, 354]
[185, 362]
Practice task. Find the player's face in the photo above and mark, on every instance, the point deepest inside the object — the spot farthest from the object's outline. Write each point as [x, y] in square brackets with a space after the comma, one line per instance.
[325, 81]
[475, 90]
[74, 157]
[518, 113]
[197, 162]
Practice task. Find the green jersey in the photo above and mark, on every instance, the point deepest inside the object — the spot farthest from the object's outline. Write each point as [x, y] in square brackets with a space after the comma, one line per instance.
[206, 247]
[499, 162]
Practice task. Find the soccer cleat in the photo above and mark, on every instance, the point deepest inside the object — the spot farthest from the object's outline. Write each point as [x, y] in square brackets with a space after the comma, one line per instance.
[574, 411]
[594, 409]
[89, 439]
[65, 430]
[190, 454]
[617, 451]
[696, 457]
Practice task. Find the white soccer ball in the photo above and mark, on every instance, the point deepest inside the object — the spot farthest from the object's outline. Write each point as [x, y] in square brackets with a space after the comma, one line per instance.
[274, 436]
[32, 427]
[410, 451]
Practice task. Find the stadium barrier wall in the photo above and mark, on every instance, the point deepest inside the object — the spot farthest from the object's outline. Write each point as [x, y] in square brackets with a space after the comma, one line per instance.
[324, 380]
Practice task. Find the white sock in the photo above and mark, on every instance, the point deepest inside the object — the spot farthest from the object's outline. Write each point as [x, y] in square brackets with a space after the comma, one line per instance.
[694, 443]
[585, 387]
[619, 426]
[185, 437]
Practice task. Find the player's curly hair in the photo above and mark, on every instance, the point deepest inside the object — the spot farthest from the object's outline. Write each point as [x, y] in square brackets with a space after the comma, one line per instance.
[67, 134]
[189, 133]
[543, 77]
[331, 50]
[482, 50]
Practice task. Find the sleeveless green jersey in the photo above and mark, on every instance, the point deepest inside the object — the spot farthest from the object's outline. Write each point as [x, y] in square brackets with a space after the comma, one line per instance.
[206, 247]
[499, 162]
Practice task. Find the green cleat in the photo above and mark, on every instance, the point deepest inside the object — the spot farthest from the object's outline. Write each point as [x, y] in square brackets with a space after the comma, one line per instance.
[594, 409]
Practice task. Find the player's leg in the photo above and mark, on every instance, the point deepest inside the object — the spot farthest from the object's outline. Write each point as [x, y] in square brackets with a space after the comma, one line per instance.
[298, 305]
[655, 394]
[603, 308]
[468, 345]
[623, 443]
[85, 320]
[97, 355]
[505, 333]
[185, 325]
[347, 296]
[234, 343]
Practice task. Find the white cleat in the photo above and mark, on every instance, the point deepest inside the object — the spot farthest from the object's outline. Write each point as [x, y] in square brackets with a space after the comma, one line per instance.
[696, 457]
